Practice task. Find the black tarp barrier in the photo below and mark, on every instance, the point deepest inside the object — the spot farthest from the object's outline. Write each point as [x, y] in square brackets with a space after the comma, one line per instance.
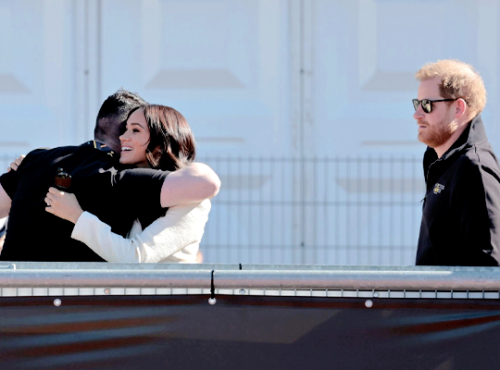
[248, 332]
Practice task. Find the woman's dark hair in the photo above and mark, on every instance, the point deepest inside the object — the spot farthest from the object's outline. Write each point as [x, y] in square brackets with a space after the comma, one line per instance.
[171, 145]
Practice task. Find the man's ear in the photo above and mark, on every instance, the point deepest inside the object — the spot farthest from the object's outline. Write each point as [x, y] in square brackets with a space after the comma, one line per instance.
[460, 108]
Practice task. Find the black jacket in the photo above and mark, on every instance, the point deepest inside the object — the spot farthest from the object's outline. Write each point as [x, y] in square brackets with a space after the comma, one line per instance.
[461, 209]
[117, 199]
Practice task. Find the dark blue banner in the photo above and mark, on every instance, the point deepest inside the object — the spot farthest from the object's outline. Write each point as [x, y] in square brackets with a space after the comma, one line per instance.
[185, 332]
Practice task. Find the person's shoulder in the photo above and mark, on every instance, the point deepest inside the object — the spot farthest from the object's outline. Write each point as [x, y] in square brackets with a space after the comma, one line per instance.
[125, 171]
[201, 208]
[477, 168]
[40, 154]
[468, 167]
[205, 206]
[93, 155]
[140, 176]
[470, 159]
[479, 158]
[192, 210]
[48, 151]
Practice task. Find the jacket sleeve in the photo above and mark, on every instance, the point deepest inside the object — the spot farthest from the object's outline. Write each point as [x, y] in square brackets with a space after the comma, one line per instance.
[179, 228]
[142, 189]
[9, 180]
[476, 209]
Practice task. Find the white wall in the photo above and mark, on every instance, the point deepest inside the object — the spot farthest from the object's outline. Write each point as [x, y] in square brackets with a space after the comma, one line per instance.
[255, 78]
[234, 68]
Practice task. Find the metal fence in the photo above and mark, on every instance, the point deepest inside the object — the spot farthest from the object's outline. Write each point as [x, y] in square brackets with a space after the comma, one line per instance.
[330, 210]
[333, 210]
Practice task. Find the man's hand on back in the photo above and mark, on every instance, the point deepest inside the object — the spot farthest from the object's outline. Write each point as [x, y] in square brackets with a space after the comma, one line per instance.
[5, 203]
[191, 184]
[16, 163]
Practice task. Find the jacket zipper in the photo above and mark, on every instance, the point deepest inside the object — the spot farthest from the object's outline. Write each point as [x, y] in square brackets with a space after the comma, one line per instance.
[429, 169]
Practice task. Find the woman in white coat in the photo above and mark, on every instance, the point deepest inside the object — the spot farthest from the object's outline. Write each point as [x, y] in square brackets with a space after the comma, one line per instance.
[156, 137]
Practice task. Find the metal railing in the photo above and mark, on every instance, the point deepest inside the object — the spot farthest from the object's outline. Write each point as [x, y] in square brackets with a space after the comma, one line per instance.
[333, 210]
[329, 210]
[229, 279]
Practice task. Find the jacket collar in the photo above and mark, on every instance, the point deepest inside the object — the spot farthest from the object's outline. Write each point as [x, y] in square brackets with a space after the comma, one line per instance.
[472, 135]
[99, 145]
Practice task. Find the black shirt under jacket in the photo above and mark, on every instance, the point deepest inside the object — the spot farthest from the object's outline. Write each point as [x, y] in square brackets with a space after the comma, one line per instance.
[117, 198]
[461, 209]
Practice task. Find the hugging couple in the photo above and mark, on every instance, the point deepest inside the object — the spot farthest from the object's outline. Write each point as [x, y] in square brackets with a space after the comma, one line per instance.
[133, 194]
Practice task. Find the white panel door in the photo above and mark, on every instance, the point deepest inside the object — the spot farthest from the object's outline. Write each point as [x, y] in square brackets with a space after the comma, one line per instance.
[365, 55]
[222, 63]
[37, 106]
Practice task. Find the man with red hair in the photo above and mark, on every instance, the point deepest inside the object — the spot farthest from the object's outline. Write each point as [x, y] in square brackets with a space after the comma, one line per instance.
[461, 210]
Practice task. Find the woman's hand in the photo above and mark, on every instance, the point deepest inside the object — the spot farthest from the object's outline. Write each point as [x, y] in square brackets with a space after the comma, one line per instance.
[64, 205]
[17, 162]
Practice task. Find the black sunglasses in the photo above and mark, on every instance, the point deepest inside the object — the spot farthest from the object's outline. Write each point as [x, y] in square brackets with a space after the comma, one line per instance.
[427, 104]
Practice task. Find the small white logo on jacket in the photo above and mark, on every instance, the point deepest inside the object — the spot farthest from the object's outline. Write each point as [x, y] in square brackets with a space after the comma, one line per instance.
[438, 188]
